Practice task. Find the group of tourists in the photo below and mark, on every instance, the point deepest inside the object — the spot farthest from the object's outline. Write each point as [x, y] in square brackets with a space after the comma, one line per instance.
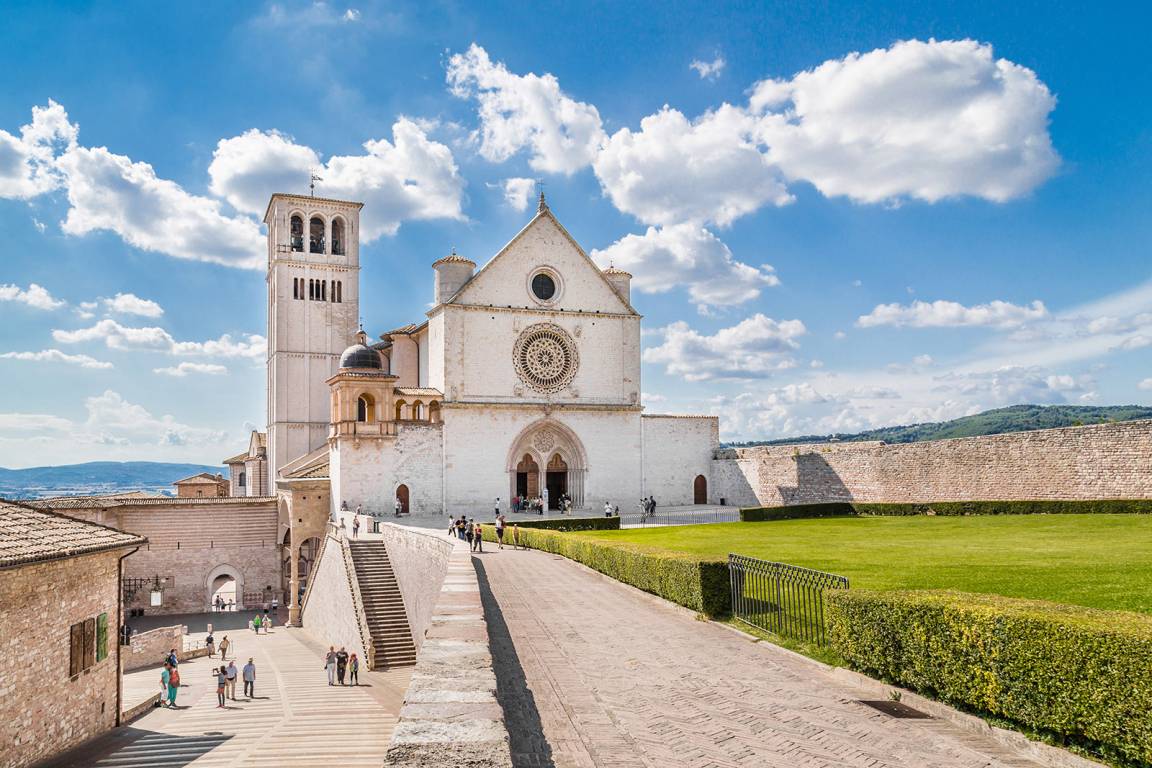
[226, 681]
[539, 503]
[339, 664]
[225, 677]
[647, 507]
[467, 529]
[220, 605]
[258, 622]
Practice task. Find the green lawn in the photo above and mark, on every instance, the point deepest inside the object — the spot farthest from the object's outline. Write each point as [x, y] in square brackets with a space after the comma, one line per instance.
[1104, 561]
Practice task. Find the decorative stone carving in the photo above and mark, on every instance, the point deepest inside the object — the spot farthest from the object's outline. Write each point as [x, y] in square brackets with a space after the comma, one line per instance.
[545, 357]
[544, 440]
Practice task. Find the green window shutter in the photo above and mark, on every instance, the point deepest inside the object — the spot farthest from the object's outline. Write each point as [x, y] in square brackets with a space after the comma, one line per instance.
[102, 637]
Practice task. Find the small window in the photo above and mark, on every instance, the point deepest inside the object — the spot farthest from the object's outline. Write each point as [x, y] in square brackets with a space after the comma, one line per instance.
[82, 646]
[295, 288]
[363, 409]
[543, 286]
[243, 479]
[311, 290]
[337, 291]
[338, 237]
[323, 290]
[316, 235]
[297, 228]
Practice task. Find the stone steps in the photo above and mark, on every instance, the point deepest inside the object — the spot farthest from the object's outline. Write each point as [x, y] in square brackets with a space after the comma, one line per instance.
[383, 605]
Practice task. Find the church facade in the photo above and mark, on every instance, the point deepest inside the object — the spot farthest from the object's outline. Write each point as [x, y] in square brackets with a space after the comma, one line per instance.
[522, 379]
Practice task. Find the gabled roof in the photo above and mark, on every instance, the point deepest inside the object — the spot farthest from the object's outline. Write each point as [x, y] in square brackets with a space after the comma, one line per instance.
[543, 212]
[30, 535]
[239, 458]
[200, 478]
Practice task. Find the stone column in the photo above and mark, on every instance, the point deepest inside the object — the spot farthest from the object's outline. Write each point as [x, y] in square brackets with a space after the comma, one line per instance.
[293, 579]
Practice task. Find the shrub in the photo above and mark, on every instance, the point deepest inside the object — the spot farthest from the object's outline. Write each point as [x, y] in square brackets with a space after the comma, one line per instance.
[572, 523]
[950, 509]
[1080, 674]
[701, 585]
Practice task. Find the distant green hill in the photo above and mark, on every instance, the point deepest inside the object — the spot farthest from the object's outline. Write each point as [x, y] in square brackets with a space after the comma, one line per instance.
[1015, 418]
[95, 477]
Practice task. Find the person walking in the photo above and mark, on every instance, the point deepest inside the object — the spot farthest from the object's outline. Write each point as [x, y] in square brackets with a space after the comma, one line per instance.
[173, 686]
[354, 670]
[267, 623]
[341, 664]
[165, 682]
[398, 506]
[330, 664]
[224, 644]
[231, 675]
[469, 527]
[249, 679]
[500, 530]
[496, 512]
[221, 682]
[356, 527]
[255, 623]
[210, 644]
[173, 660]
[460, 524]
[478, 538]
[515, 536]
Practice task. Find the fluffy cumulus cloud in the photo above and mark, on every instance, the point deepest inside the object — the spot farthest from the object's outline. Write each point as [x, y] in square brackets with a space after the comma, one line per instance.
[28, 161]
[131, 304]
[951, 314]
[526, 112]
[708, 70]
[185, 369]
[114, 420]
[411, 177]
[925, 120]
[753, 348]
[673, 169]
[1145, 384]
[56, 356]
[114, 335]
[688, 255]
[34, 296]
[1015, 384]
[518, 192]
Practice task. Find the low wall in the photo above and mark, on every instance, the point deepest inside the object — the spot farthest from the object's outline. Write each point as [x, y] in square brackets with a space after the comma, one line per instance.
[419, 560]
[1102, 461]
[150, 648]
[330, 614]
[451, 715]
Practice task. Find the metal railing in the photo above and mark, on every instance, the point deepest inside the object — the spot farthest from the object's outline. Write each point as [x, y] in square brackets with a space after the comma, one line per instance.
[636, 519]
[783, 599]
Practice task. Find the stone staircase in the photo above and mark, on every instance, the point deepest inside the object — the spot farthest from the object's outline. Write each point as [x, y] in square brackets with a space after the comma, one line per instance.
[383, 606]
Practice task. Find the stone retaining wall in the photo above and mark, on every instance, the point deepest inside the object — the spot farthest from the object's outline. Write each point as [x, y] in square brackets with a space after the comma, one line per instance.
[1095, 462]
[330, 614]
[150, 648]
[450, 714]
[419, 560]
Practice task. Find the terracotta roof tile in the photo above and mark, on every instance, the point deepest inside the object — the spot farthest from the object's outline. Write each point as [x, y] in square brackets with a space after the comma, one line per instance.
[30, 535]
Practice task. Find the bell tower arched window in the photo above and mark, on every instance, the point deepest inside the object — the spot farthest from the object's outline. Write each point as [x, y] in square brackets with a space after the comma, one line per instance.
[338, 236]
[316, 235]
[297, 233]
[365, 408]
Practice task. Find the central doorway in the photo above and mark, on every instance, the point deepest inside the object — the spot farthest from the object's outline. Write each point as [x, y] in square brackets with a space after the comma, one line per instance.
[556, 480]
[527, 478]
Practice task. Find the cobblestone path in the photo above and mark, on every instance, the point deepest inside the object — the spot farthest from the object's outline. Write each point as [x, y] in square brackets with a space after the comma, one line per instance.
[593, 673]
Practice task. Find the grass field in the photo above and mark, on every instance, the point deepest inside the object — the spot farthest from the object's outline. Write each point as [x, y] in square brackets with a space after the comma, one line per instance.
[1103, 561]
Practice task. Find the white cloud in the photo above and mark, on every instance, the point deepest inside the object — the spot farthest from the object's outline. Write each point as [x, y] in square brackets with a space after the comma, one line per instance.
[650, 397]
[112, 419]
[705, 171]
[951, 314]
[709, 70]
[925, 120]
[753, 348]
[518, 192]
[110, 192]
[153, 338]
[28, 161]
[1145, 384]
[525, 112]
[410, 178]
[12, 423]
[1013, 384]
[55, 355]
[351, 15]
[34, 296]
[183, 369]
[686, 255]
[923, 360]
[131, 304]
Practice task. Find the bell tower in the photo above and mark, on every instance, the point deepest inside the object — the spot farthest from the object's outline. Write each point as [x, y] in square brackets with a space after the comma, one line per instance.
[313, 308]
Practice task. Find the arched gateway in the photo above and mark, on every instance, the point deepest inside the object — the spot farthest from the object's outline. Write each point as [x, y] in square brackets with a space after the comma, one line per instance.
[547, 455]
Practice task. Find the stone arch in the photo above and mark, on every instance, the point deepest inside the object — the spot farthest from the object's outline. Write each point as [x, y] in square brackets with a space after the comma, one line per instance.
[405, 497]
[543, 439]
[700, 490]
[366, 408]
[434, 415]
[338, 243]
[401, 412]
[217, 583]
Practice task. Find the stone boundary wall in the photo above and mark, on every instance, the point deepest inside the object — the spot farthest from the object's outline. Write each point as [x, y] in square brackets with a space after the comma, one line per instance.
[451, 715]
[149, 649]
[1102, 461]
[330, 614]
[419, 560]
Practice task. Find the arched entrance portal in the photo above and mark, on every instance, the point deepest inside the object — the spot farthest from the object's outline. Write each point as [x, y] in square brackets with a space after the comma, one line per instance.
[547, 456]
[700, 490]
[224, 581]
[402, 495]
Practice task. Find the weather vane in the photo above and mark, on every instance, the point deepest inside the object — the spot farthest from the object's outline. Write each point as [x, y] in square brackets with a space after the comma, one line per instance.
[312, 179]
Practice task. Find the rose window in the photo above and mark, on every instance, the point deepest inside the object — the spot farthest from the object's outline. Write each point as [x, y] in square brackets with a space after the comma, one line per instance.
[545, 357]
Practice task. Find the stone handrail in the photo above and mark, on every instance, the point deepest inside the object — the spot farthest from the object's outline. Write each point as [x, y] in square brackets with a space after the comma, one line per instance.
[311, 575]
[357, 599]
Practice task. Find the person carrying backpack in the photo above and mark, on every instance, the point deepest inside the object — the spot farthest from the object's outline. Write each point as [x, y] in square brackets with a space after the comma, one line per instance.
[173, 686]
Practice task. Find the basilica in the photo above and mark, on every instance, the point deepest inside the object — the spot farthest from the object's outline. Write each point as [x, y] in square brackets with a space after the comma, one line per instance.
[521, 380]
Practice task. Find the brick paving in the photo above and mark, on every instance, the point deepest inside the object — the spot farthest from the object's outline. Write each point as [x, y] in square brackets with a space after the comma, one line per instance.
[593, 673]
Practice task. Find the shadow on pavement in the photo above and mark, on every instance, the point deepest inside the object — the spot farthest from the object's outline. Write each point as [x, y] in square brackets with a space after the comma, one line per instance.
[138, 747]
[529, 746]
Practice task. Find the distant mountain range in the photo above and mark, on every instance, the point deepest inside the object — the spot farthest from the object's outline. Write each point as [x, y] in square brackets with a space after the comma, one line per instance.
[1015, 418]
[94, 478]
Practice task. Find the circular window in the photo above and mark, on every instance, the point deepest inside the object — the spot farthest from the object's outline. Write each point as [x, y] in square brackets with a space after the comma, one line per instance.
[545, 357]
[543, 286]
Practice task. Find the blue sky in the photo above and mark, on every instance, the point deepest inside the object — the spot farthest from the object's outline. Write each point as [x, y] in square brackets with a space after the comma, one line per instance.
[837, 217]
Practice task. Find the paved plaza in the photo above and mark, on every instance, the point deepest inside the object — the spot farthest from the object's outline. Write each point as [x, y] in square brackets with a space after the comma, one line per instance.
[594, 674]
[295, 719]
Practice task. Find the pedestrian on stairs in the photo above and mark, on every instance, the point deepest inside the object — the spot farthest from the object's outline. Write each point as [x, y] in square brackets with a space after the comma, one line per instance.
[478, 538]
[354, 670]
[224, 648]
[500, 530]
[231, 674]
[341, 664]
[515, 536]
[250, 679]
[469, 527]
[356, 527]
[330, 664]
[221, 681]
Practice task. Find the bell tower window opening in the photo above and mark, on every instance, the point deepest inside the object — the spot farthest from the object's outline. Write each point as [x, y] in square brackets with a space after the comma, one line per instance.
[365, 409]
[296, 230]
[295, 288]
[316, 235]
[323, 290]
[338, 236]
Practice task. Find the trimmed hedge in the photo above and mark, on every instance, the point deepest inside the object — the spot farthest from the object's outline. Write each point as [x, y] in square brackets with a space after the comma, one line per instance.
[1079, 674]
[950, 509]
[570, 523]
[701, 585]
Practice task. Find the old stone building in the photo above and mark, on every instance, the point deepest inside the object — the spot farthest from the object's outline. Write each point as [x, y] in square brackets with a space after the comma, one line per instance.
[248, 471]
[202, 485]
[60, 610]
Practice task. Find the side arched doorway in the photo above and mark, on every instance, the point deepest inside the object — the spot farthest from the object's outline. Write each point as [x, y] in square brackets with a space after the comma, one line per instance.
[700, 490]
[403, 495]
[527, 477]
[556, 480]
[224, 581]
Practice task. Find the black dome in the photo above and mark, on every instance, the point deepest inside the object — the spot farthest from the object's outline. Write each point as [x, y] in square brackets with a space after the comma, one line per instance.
[360, 356]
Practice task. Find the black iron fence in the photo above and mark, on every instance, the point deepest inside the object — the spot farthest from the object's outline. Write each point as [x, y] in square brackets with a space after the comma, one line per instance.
[781, 598]
[662, 517]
